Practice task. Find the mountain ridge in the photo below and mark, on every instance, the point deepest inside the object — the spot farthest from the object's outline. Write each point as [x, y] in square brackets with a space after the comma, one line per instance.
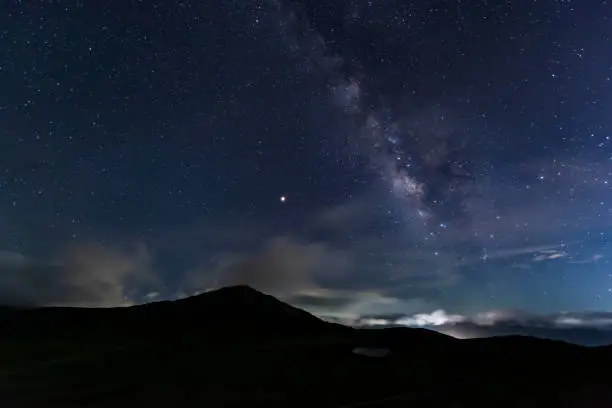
[229, 309]
[237, 346]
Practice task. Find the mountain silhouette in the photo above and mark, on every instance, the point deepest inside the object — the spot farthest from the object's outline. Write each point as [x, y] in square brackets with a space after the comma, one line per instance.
[236, 346]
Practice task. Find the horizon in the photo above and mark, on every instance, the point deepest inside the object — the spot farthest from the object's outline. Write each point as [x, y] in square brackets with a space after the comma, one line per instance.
[564, 326]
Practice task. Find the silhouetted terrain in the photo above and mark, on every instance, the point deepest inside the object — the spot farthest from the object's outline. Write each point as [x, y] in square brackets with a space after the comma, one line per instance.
[238, 347]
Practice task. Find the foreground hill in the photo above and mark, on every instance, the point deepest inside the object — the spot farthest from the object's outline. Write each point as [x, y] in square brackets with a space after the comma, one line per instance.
[239, 347]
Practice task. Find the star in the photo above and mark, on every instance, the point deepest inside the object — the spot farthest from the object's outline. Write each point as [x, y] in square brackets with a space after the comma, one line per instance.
[483, 142]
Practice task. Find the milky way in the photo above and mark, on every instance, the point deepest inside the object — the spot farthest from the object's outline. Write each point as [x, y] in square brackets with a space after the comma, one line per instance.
[439, 161]
[420, 156]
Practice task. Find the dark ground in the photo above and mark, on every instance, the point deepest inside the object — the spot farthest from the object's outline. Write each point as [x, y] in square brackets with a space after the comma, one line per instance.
[237, 347]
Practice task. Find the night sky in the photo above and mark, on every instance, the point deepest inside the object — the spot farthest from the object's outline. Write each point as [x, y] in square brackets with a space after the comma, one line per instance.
[375, 162]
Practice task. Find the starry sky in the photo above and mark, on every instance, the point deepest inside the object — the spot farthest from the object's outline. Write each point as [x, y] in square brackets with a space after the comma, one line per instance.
[426, 163]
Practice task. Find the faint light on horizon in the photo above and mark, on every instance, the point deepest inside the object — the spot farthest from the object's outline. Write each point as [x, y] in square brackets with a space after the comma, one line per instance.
[375, 322]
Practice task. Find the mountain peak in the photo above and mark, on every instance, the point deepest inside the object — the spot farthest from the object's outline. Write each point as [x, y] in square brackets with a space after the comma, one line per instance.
[235, 293]
[237, 290]
[244, 305]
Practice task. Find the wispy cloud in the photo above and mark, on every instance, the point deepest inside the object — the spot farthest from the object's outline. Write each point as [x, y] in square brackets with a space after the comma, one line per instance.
[510, 252]
[588, 328]
[83, 275]
[350, 307]
[436, 318]
[281, 266]
[592, 259]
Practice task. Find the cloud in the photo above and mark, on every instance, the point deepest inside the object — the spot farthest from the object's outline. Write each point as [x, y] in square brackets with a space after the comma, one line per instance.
[300, 273]
[374, 303]
[549, 256]
[88, 275]
[587, 328]
[343, 215]
[284, 266]
[528, 256]
[543, 251]
[151, 296]
[436, 318]
[396, 267]
[314, 276]
[594, 258]
[352, 307]
[323, 300]
[12, 259]
[345, 277]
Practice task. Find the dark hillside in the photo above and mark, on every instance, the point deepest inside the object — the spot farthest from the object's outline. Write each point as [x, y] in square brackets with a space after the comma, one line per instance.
[239, 347]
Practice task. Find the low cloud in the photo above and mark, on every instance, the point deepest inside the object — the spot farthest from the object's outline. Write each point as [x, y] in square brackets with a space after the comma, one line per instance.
[89, 275]
[435, 318]
[315, 276]
[586, 328]
[352, 307]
